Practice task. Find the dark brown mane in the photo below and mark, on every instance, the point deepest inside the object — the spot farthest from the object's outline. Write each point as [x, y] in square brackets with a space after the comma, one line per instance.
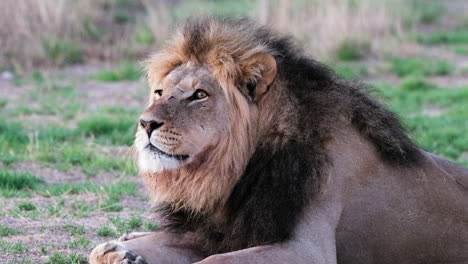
[267, 201]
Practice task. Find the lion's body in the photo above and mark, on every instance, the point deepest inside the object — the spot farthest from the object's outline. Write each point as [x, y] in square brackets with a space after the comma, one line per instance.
[401, 214]
[309, 169]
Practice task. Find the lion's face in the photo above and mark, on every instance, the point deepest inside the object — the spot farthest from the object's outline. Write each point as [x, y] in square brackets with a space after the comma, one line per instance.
[187, 114]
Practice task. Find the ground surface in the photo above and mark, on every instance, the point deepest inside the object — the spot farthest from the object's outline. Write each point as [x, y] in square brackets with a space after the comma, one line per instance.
[67, 181]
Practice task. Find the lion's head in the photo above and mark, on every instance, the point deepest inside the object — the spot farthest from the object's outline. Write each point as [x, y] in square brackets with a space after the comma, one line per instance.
[201, 124]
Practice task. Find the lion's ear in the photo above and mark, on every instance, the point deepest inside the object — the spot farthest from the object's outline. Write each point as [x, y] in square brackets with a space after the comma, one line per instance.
[262, 71]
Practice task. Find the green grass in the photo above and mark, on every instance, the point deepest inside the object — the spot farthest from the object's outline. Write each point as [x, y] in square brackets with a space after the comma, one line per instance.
[124, 71]
[421, 66]
[62, 52]
[126, 226]
[86, 157]
[351, 70]
[26, 206]
[448, 139]
[150, 227]
[416, 84]
[8, 231]
[56, 209]
[444, 37]
[144, 36]
[75, 230]
[461, 49]
[429, 11]
[55, 133]
[13, 248]
[72, 150]
[121, 16]
[92, 31]
[3, 103]
[443, 134]
[352, 50]
[109, 128]
[81, 208]
[50, 98]
[81, 242]
[13, 141]
[111, 195]
[105, 231]
[64, 258]
[10, 180]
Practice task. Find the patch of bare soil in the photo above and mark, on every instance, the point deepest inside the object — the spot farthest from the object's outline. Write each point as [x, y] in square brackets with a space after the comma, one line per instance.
[102, 94]
[10, 91]
[455, 81]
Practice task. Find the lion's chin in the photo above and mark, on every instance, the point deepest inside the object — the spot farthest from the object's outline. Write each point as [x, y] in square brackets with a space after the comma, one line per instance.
[154, 160]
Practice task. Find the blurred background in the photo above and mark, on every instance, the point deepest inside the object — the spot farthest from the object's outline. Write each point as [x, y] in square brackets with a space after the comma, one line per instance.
[71, 89]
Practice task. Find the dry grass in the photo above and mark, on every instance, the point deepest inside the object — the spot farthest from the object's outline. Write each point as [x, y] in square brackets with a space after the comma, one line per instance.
[59, 32]
[27, 24]
[323, 25]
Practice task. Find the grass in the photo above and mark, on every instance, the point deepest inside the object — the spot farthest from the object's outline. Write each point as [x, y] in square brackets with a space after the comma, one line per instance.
[105, 231]
[121, 16]
[430, 11]
[112, 126]
[81, 242]
[351, 70]
[86, 157]
[81, 208]
[125, 71]
[62, 52]
[13, 140]
[444, 37]
[3, 103]
[448, 139]
[63, 258]
[13, 248]
[413, 96]
[11, 180]
[352, 50]
[75, 230]
[26, 206]
[50, 98]
[104, 128]
[421, 66]
[416, 84]
[461, 49]
[8, 231]
[126, 226]
[144, 36]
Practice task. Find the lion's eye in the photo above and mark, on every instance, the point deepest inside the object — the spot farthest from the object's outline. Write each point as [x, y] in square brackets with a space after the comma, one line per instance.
[200, 94]
[158, 93]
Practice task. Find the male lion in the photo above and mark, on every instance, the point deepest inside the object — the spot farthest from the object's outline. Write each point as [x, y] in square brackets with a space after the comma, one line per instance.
[254, 153]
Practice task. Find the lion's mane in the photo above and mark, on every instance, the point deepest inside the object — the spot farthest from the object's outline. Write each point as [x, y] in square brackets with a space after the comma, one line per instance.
[286, 168]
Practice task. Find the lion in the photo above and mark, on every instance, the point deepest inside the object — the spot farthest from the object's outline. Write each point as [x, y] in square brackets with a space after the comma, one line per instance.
[255, 153]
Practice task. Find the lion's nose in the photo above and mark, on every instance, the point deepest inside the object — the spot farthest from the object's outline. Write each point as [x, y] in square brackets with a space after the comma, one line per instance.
[150, 125]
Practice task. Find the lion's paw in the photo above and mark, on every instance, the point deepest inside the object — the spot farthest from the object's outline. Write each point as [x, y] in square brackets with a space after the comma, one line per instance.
[114, 253]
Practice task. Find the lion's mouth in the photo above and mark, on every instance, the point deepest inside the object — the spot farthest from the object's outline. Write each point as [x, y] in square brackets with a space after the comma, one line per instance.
[180, 157]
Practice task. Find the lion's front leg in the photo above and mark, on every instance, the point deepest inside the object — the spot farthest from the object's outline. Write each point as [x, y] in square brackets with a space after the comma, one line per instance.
[146, 248]
[274, 254]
